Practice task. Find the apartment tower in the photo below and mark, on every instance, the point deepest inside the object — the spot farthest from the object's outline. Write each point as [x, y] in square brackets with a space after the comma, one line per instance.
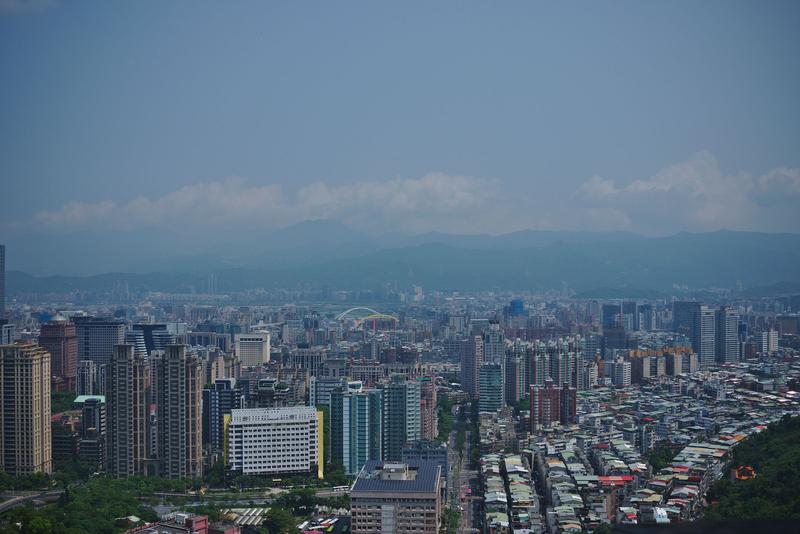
[126, 397]
[25, 439]
[58, 337]
[178, 384]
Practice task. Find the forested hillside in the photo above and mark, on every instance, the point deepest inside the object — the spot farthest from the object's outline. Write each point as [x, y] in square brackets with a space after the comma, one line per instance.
[773, 493]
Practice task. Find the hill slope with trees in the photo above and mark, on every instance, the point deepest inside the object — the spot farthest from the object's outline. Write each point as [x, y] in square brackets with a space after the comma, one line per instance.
[775, 491]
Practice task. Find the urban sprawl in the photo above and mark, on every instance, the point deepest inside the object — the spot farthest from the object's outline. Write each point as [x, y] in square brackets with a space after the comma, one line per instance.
[438, 411]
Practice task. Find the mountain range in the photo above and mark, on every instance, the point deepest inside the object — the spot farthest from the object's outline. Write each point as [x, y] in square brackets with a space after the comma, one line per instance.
[328, 253]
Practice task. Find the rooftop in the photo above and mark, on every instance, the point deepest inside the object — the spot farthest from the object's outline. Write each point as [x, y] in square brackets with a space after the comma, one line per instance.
[414, 476]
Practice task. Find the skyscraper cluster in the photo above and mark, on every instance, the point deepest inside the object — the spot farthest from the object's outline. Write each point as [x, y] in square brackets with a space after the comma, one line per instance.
[714, 333]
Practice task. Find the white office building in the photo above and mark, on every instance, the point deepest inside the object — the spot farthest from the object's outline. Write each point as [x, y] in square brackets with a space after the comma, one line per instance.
[622, 373]
[253, 348]
[769, 342]
[275, 440]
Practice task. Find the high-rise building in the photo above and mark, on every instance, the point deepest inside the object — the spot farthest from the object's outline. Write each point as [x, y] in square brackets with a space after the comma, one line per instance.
[567, 404]
[58, 337]
[678, 363]
[320, 388]
[539, 365]
[87, 378]
[2, 281]
[397, 497]
[401, 416]
[178, 381]
[630, 315]
[136, 338]
[471, 360]
[621, 373]
[727, 331]
[647, 367]
[356, 428]
[93, 431]
[150, 333]
[7, 332]
[161, 340]
[494, 344]
[614, 337]
[703, 334]
[429, 420]
[612, 316]
[769, 342]
[647, 317]
[97, 338]
[515, 374]
[546, 404]
[65, 438]
[516, 308]
[564, 365]
[267, 441]
[127, 379]
[25, 432]
[491, 388]
[218, 402]
[253, 348]
[682, 313]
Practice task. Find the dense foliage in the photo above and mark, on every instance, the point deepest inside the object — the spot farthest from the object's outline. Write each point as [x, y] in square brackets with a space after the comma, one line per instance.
[95, 507]
[475, 435]
[445, 407]
[278, 521]
[451, 520]
[34, 481]
[773, 493]
[661, 457]
[61, 401]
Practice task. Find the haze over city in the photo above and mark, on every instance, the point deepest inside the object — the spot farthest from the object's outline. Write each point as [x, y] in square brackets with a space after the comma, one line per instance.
[433, 267]
[157, 123]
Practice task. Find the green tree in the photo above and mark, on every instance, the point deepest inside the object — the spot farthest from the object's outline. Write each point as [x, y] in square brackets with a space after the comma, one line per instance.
[445, 414]
[39, 525]
[335, 475]
[61, 401]
[278, 521]
[772, 494]
[215, 476]
[661, 457]
[299, 502]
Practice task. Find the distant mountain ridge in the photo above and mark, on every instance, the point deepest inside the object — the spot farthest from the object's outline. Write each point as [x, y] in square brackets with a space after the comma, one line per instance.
[98, 251]
[583, 260]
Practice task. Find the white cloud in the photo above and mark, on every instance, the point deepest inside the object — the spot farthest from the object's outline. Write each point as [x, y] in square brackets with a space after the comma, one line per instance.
[694, 195]
[779, 186]
[435, 201]
[697, 196]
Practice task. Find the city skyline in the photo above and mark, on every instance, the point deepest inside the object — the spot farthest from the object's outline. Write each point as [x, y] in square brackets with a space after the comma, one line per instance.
[451, 267]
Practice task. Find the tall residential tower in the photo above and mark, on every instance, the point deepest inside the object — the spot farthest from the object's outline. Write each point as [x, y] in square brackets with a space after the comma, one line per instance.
[126, 397]
[25, 442]
[178, 384]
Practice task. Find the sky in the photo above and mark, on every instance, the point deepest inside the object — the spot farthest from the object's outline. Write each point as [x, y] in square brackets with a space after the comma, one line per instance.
[189, 118]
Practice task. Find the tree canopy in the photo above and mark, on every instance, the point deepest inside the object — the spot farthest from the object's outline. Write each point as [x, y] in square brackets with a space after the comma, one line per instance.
[773, 493]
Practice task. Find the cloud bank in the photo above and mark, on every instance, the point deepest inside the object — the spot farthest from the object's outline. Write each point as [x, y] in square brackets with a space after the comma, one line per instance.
[694, 195]
[451, 203]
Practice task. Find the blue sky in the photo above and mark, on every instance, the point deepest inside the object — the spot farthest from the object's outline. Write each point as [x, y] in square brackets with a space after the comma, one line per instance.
[220, 117]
